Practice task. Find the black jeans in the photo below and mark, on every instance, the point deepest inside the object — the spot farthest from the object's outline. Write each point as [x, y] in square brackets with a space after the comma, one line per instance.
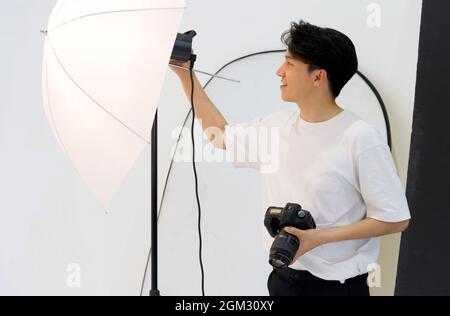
[289, 282]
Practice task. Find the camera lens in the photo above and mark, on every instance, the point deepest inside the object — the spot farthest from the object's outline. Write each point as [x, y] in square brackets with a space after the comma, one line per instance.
[283, 250]
[278, 261]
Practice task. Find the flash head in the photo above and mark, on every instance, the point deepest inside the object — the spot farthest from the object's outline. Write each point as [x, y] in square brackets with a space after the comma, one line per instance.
[182, 50]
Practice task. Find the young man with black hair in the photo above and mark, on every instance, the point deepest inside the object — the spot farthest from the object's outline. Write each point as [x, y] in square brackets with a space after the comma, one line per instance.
[331, 162]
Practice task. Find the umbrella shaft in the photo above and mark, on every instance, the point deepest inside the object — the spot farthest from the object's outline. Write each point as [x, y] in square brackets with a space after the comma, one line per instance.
[206, 73]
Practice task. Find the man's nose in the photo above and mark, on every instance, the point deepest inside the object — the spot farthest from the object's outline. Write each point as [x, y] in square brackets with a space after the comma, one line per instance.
[280, 72]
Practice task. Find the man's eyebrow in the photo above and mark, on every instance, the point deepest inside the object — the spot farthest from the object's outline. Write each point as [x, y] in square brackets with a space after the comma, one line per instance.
[288, 57]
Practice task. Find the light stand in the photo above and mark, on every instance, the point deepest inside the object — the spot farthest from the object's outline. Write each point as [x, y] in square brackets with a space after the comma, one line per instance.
[182, 52]
[154, 205]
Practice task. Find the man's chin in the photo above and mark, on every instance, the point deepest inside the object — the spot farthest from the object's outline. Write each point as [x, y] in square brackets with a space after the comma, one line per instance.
[286, 99]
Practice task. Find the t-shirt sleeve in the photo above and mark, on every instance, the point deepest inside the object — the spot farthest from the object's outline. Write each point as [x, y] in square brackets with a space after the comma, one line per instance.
[380, 186]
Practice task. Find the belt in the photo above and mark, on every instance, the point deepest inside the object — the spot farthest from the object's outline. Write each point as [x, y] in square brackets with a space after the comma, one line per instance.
[303, 275]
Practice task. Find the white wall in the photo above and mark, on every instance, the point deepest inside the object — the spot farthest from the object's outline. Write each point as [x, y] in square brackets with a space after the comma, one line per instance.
[49, 219]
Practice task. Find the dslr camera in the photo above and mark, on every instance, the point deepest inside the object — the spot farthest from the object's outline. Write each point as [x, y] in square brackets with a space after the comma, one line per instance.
[285, 245]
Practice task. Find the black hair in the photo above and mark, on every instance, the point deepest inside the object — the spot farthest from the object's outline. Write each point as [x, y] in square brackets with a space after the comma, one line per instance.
[323, 48]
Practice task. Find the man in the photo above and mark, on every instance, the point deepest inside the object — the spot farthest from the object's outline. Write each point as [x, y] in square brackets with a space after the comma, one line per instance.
[331, 162]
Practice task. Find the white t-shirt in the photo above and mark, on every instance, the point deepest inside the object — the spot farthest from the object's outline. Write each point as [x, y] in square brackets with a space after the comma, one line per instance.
[340, 170]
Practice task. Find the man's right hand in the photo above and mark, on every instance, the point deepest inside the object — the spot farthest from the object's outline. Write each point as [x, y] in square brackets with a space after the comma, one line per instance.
[181, 73]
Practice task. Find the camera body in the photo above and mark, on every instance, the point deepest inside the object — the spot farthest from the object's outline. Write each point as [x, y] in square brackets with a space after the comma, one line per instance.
[182, 50]
[285, 245]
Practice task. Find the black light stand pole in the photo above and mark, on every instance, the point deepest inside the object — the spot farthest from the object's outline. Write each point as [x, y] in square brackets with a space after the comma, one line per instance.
[154, 205]
[182, 51]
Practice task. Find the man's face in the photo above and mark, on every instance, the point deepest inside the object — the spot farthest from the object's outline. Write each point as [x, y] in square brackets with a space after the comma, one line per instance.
[296, 81]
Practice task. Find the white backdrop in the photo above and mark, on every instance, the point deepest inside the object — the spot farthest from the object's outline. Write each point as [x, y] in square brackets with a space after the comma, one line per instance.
[53, 231]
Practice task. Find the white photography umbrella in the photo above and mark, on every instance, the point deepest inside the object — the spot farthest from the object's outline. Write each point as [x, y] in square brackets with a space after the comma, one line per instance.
[103, 70]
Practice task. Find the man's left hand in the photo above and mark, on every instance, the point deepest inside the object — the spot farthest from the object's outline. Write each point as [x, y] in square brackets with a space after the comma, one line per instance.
[309, 239]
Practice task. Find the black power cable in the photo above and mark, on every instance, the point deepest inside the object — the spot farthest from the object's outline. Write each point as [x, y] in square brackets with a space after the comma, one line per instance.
[192, 110]
[191, 68]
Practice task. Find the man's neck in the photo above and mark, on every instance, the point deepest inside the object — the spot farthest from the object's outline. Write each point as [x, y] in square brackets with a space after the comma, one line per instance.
[319, 112]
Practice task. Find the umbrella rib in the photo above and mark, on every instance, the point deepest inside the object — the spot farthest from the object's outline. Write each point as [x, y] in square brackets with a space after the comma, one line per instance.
[91, 98]
[50, 109]
[111, 12]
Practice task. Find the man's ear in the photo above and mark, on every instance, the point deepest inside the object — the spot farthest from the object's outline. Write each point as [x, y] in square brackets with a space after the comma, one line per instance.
[320, 76]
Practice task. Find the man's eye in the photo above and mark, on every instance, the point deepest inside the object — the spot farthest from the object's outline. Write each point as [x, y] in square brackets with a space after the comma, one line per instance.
[290, 64]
